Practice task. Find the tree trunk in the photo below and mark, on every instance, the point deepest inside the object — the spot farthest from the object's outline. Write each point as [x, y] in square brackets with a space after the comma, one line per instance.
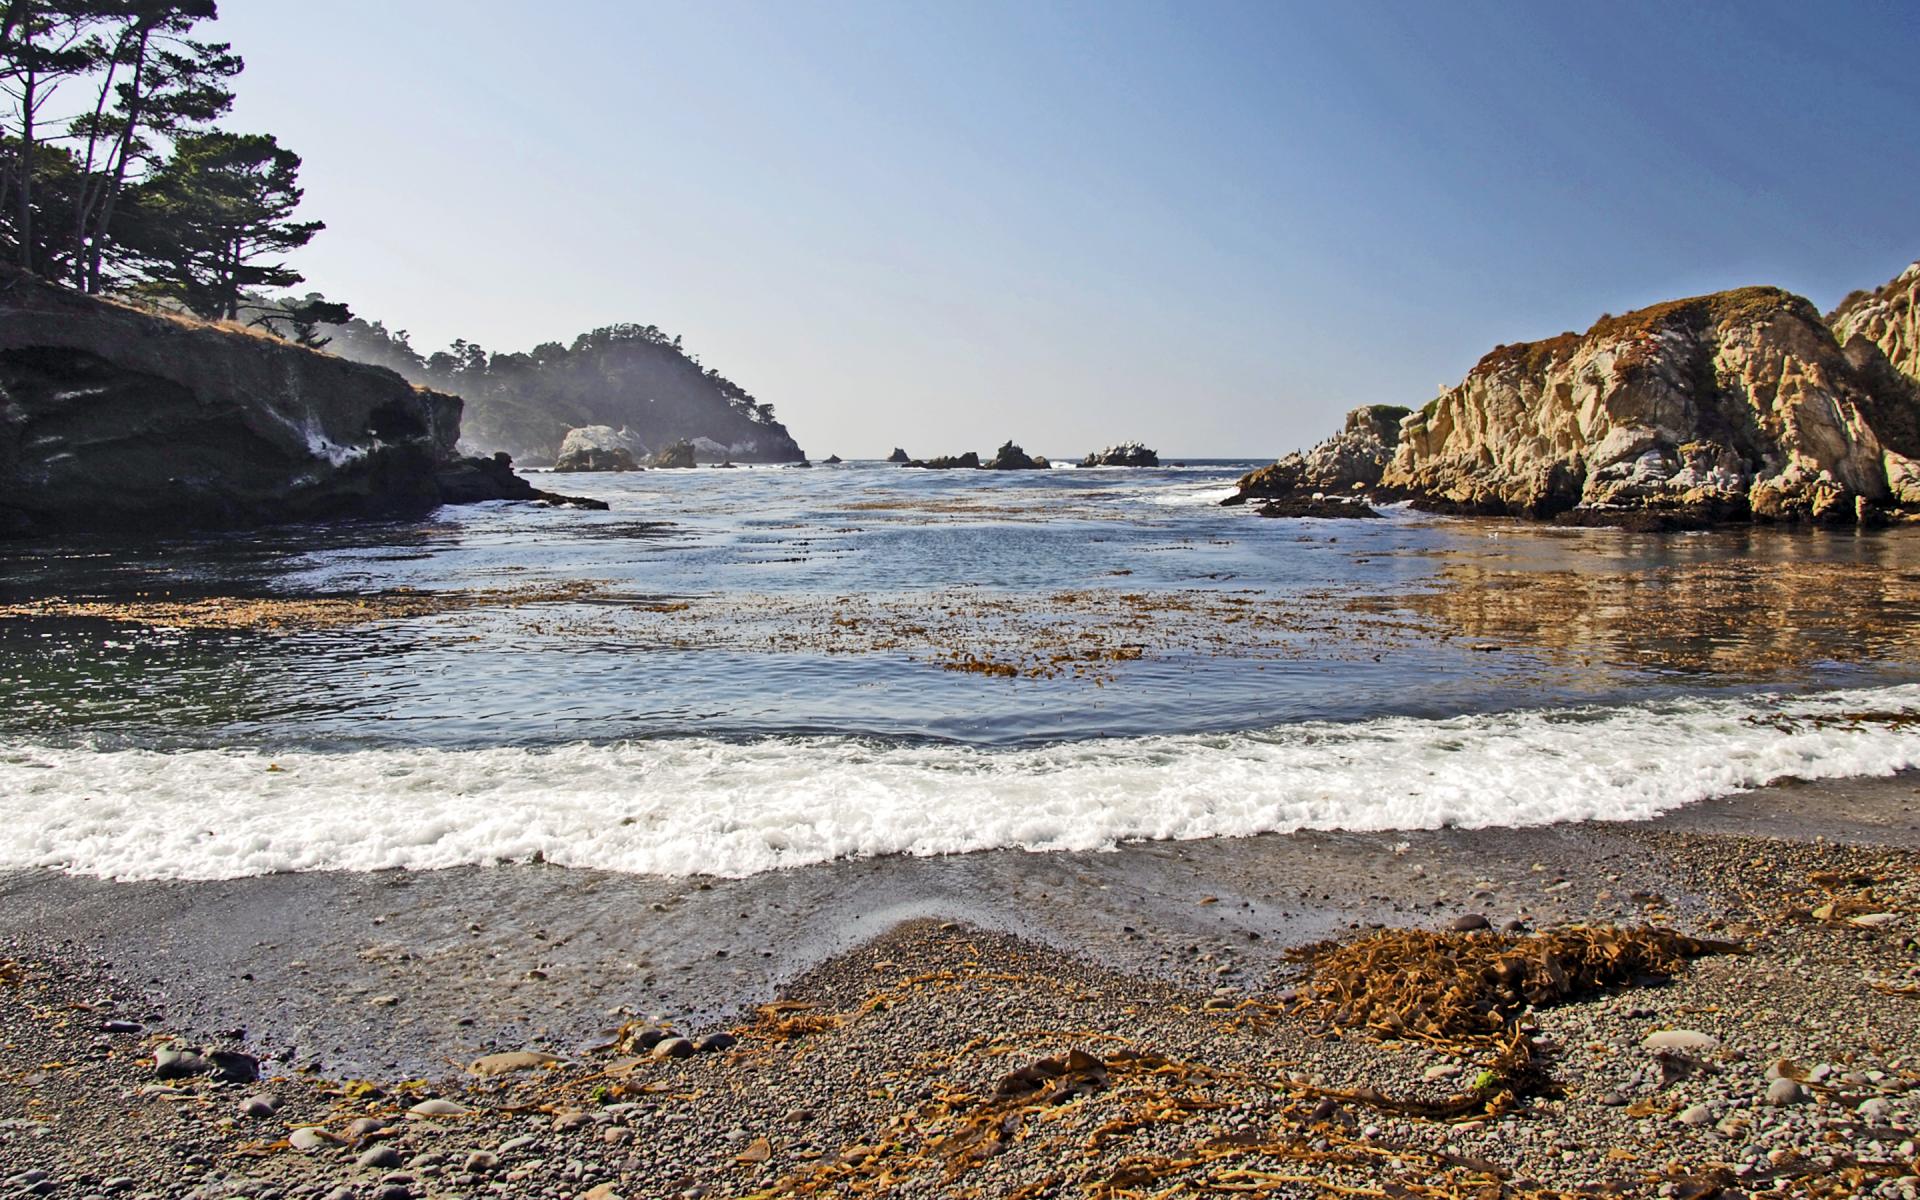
[26, 169]
[104, 222]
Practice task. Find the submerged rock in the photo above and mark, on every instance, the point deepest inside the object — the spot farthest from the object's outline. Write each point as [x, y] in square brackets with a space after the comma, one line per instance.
[1332, 508]
[1126, 454]
[115, 418]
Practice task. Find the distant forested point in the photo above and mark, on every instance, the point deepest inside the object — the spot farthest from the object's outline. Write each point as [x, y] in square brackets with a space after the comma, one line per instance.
[635, 378]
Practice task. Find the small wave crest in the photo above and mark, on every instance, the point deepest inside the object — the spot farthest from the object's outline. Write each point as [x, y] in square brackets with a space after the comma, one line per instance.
[687, 806]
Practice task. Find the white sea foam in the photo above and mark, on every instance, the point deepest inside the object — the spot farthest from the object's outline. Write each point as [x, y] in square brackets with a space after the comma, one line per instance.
[694, 805]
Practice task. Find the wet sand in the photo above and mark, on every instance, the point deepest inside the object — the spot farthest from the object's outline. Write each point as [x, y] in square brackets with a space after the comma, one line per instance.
[406, 972]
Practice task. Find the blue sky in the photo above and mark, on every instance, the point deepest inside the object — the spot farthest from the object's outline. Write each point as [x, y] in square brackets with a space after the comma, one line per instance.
[1214, 226]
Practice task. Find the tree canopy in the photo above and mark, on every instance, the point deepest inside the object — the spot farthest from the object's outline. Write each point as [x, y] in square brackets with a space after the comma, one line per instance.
[113, 174]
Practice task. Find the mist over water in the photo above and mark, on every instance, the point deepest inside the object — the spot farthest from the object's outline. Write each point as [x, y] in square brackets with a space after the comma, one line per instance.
[735, 671]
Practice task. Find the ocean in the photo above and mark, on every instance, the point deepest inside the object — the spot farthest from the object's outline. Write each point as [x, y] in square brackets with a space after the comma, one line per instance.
[733, 672]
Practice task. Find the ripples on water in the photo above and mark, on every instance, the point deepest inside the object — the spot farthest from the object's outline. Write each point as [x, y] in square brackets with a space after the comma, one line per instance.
[733, 606]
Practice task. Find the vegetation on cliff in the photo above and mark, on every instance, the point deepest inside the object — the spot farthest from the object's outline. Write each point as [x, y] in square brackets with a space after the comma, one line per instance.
[632, 377]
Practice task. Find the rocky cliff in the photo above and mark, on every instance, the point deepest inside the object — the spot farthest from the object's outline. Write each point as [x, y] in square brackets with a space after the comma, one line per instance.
[1888, 317]
[1739, 405]
[115, 418]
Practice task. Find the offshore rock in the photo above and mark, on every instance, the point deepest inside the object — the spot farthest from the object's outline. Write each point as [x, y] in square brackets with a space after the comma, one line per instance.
[899, 456]
[679, 454]
[1012, 458]
[1350, 461]
[970, 461]
[597, 448]
[114, 418]
[1126, 454]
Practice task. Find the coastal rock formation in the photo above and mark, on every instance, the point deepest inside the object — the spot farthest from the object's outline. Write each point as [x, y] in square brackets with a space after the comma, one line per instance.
[1126, 454]
[1351, 460]
[1734, 406]
[832, 460]
[899, 456]
[597, 448]
[678, 454]
[1888, 317]
[633, 377]
[1012, 458]
[1341, 508]
[970, 461]
[115, 418]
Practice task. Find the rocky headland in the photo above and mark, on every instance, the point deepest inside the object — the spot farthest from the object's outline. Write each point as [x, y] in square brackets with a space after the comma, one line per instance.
[113, 418]
[633, 378]
[1742, 405]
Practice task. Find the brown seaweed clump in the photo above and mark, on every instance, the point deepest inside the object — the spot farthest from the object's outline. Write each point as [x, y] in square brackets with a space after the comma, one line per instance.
[1461, 987]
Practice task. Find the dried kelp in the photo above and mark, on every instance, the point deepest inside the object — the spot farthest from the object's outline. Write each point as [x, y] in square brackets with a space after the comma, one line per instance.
[1456, 987]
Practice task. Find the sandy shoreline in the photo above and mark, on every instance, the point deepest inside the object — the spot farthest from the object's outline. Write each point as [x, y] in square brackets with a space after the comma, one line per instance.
[394, 976]
[406, 971]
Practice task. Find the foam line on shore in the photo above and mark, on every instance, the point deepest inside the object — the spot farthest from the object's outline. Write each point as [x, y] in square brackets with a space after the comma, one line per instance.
[705, 806]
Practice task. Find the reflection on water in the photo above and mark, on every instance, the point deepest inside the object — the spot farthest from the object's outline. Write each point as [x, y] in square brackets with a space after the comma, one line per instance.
[976, 607]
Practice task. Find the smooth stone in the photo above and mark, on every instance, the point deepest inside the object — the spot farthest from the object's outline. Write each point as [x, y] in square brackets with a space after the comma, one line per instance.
[1469, 923]
[363, 1127]
[1680, 1039]
[513, 1060]
[675, 1047]
[480, 1162]
[439, 1108]
[1783, 1091]
[231, 1066]
[1696, 1116]
[572, 1119]
[379, 1157]
[259, 1108]
[310, 1139]
[1876, 1111]
[174, 1063]
[716, 1041]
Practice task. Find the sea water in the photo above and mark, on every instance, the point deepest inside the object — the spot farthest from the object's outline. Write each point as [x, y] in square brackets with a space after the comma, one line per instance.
[736, 671]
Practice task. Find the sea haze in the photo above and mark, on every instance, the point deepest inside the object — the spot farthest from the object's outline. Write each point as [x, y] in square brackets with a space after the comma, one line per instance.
[737, 671]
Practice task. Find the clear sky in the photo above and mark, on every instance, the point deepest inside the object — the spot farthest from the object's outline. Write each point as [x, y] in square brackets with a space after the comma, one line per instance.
[1212, 226]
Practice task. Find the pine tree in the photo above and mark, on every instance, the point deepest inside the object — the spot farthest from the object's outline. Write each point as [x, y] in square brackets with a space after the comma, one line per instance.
[209, 224]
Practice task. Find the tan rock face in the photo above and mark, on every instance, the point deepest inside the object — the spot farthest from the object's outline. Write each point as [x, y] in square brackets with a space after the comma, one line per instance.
[1886, 318]
[1351, 460]
[1725, 405]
